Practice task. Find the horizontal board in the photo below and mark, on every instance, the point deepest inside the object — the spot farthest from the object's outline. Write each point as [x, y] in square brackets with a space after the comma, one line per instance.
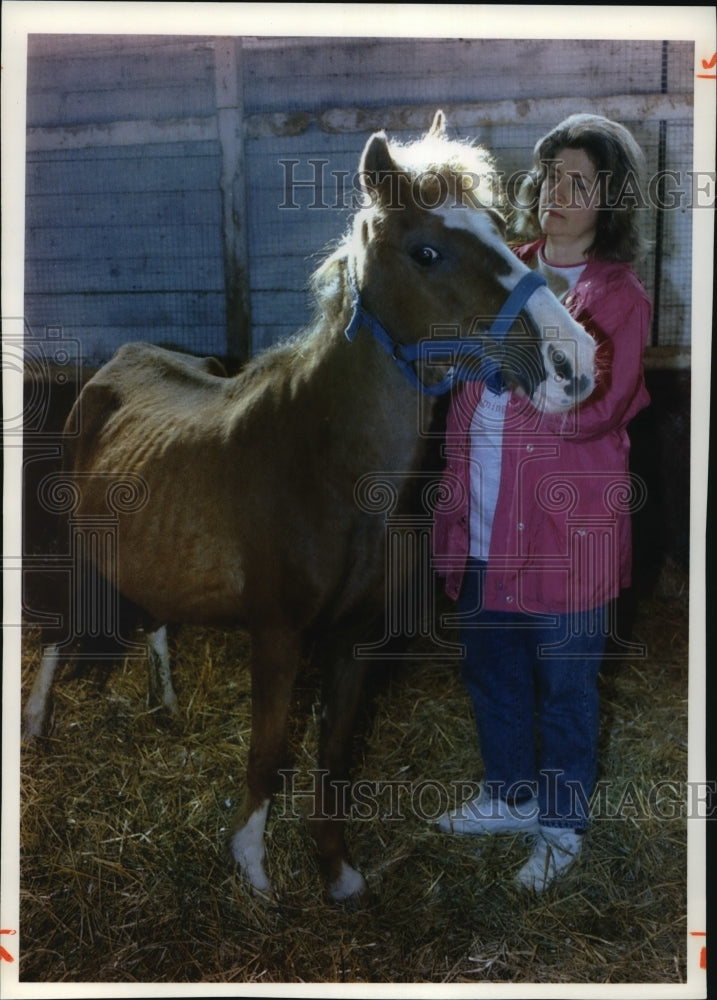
[121, 134]
[345, 143]
[171, 309]
[116, 176]
[98, 344]
[98, 152]
[75, 69]
[279, 274]
[135, 208]
[124, 104]
[81, 82]
[173, 274]
[311, 241]
[91, 242]
[100, 46]
[375, 71]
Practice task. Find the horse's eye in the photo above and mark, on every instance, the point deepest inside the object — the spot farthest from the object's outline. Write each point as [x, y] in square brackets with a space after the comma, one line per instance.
[425, 256]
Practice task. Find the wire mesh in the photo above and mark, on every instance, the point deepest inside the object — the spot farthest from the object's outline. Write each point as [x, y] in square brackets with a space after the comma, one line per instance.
[130, 241]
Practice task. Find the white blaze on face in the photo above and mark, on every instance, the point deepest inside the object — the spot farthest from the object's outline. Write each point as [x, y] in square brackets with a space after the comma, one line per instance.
[568, 351]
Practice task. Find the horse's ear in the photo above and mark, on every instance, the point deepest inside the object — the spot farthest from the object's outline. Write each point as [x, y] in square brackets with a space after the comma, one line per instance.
[376, 163]
[438, 126]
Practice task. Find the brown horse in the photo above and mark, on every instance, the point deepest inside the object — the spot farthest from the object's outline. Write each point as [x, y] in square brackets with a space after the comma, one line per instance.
[240, 501]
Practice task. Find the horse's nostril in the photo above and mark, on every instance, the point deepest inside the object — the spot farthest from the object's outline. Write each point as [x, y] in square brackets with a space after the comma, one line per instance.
[577, 386]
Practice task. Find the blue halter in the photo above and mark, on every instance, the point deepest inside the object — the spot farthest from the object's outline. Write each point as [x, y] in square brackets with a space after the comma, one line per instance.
[459, 351]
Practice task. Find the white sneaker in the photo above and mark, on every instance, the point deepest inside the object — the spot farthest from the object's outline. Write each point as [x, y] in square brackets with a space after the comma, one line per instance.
[485, 814]
[554, 851]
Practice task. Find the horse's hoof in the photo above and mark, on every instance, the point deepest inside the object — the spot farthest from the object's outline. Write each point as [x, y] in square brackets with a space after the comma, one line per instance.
[260, 889]
[349, 889]
[171, 707]
[267, 896]
[34, 726]
[168, 705]
[358, 901]
[247, 846]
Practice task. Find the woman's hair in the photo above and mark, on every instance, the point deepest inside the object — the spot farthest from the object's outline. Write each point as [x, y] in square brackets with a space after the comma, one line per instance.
[620, 165]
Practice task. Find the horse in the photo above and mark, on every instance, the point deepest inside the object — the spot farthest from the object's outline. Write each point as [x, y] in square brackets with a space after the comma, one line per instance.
[236, 496]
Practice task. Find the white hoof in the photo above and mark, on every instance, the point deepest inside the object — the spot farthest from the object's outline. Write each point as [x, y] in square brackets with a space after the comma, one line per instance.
[170, 703]
[34, 721]
[349, 887]
[248, 850]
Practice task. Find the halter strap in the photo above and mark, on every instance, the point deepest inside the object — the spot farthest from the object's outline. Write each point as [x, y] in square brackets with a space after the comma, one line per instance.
[458, 351]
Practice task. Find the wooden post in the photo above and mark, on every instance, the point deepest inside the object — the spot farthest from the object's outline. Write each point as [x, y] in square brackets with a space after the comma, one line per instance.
[230, 128]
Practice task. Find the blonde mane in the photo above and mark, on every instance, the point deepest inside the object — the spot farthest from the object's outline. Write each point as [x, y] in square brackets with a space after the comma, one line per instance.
[466, 168]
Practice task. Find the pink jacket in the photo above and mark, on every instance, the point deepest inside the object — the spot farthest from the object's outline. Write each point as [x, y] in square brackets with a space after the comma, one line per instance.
[561, 538]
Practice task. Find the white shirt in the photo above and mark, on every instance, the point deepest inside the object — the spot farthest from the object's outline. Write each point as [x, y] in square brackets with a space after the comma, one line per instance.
[561, 278]
[486, 450]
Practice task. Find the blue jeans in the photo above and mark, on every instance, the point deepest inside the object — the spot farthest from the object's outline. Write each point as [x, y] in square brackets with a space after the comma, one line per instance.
[533, 683]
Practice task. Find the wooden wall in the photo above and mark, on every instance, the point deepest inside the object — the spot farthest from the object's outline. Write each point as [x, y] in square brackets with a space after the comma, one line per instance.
[157, 167]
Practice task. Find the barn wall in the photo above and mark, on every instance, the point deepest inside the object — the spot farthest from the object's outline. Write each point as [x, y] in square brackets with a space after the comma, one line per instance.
[159, 204]
[348, 87]
[181, 190]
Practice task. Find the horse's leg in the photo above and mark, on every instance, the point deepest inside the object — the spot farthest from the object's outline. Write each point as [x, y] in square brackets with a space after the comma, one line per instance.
[160, 690]
[37, 707]
[343, 684]
[276, 655]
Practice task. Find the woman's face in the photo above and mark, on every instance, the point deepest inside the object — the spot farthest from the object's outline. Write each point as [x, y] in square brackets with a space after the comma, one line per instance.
[569, 204]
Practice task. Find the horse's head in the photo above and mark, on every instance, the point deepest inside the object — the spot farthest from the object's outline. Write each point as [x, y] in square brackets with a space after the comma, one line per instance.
[429, 262]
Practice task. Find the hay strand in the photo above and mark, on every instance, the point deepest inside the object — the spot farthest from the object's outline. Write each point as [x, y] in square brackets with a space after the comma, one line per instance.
[125, 875]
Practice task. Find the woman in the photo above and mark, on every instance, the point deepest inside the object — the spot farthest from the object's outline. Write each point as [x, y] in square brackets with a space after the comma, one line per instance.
[539, 546]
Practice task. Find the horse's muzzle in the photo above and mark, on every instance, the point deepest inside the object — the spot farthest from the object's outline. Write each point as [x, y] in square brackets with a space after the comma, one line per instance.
[521, 357]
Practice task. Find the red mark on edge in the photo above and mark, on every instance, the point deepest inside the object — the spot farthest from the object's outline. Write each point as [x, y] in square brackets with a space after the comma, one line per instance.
[708, 64]
[703, 950]
[5, 955]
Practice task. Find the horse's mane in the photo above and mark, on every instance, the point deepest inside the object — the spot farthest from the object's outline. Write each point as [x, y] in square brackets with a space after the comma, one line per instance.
[456, 162]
